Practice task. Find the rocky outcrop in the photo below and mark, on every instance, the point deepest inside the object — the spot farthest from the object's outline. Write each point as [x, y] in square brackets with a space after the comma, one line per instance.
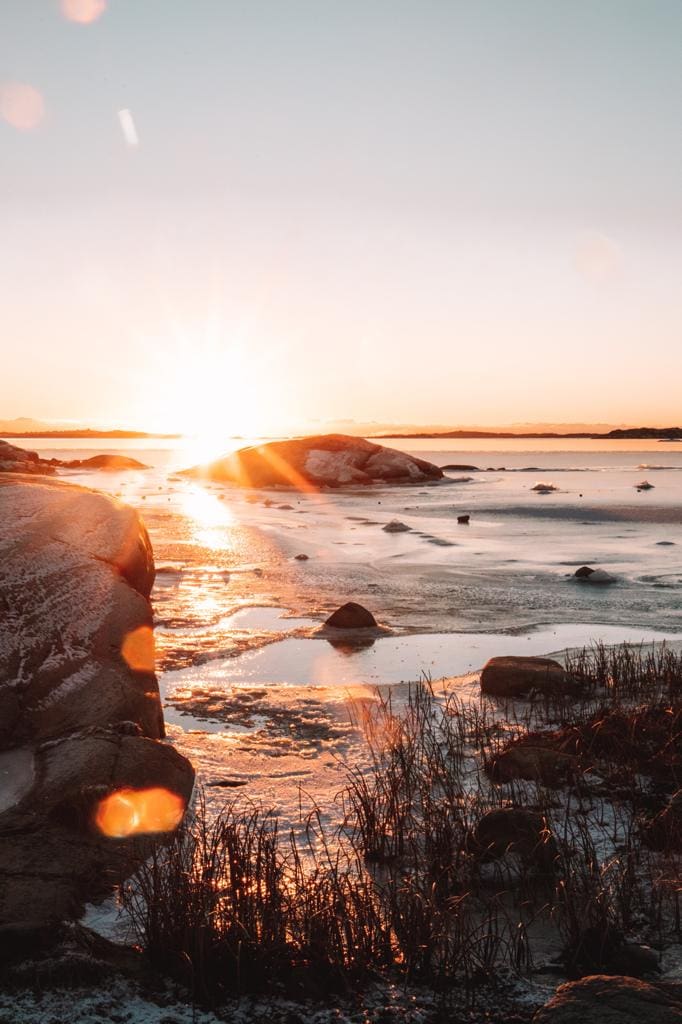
[510, 676]
[76, 645]
[330, 460]
[351, 616]
[395, 526]
[80, 715]
[107, 461]
[18, 460]
[603, 999]
[53, 854]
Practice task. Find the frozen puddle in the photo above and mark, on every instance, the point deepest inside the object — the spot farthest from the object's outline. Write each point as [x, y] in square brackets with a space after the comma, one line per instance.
[296, 661]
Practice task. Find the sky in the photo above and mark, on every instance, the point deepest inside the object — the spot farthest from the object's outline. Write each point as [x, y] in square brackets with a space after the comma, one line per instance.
[256, 215]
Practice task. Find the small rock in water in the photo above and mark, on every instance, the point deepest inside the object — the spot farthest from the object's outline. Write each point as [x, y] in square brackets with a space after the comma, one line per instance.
[589, 575]
[544, 488]
[644, 485]
[463, 520]
[351, 616]
[301, 557]
[395, 526]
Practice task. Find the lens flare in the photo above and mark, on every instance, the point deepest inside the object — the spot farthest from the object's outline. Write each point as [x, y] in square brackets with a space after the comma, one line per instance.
[129, 812]
[137, 649]
[21, 105]
[83, 11]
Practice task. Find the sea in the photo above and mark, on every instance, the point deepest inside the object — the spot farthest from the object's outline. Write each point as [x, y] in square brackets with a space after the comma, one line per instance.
[265, 702]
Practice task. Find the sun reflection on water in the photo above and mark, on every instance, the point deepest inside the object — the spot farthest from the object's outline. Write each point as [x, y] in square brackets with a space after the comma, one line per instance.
[212, 519]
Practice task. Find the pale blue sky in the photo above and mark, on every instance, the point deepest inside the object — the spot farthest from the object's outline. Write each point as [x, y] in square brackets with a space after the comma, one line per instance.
[420, 211]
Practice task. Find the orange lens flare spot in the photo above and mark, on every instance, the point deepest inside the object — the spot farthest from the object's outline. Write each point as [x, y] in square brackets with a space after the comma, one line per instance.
[137, 649]
[83, 11]
[21, 105]
[129, 812]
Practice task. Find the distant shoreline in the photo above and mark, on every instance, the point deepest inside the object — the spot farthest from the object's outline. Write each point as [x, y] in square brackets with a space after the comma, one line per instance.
[623, 434]
[116, 435]
[633, 434]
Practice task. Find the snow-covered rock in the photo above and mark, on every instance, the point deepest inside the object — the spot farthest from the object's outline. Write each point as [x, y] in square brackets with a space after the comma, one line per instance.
[330, 460]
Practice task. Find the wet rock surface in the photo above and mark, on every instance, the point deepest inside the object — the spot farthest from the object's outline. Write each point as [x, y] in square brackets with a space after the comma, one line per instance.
[81, 716]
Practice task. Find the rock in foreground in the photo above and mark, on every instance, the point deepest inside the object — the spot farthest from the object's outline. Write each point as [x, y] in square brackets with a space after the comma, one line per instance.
[603, 999]
[515, 677]
[80, 714]
[329, 460]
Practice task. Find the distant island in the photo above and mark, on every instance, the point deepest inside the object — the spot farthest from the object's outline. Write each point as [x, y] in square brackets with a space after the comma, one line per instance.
[626, 433]
[116, 435]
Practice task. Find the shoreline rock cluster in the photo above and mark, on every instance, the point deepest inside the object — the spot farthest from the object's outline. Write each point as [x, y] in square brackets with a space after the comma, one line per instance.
[20, 460]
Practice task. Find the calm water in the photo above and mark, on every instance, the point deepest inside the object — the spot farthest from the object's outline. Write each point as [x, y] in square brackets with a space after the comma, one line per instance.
[509, 572]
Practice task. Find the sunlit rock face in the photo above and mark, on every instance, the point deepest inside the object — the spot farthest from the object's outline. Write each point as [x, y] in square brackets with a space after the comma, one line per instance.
[309, 463]
[19, 460]
[76, 570]
[80, 715]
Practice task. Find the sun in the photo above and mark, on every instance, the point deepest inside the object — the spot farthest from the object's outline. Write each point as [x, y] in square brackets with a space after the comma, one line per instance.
[216, 387]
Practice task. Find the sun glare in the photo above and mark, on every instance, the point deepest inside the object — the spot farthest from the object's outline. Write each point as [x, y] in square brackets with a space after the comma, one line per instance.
[129, 812]
[212, 384]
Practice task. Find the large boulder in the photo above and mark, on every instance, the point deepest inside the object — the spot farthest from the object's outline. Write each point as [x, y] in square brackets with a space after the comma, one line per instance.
[76, 643]
[80, 715]
[54, 854]
[609, 999]
[329, 460]
[510, 676]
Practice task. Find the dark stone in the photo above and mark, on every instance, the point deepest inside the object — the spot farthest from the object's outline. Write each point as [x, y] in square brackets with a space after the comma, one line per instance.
[351, 616]
[516, 676]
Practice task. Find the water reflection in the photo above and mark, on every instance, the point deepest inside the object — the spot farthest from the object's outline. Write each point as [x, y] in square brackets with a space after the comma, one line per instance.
[354, 645]
[212, 520]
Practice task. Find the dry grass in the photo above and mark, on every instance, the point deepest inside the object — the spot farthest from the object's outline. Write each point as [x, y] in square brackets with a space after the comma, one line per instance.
[403, 889]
